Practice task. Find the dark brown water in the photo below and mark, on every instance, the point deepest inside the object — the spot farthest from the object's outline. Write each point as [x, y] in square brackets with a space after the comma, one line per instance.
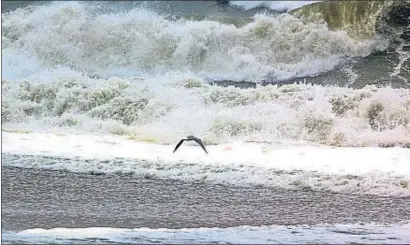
[47, 199]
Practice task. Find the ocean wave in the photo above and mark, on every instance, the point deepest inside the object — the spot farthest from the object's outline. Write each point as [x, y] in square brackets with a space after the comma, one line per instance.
[272, 5]
[288, 165]
[165, 107]
[339, 233]
[69, 68]
[75, 35]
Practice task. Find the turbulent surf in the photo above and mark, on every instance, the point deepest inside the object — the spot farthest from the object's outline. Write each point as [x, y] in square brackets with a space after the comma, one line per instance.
[283, 94]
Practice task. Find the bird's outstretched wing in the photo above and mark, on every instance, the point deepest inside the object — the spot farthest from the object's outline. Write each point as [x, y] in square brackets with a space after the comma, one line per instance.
[199, 141]
[178, 145]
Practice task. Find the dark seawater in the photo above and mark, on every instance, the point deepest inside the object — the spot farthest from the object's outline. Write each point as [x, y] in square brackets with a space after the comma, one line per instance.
[46, 199]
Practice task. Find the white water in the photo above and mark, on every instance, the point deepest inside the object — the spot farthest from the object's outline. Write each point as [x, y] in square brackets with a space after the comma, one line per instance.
[273, 5]
[334, 234]
[72, 77]
[378, 171]
[163, 108]
[68, 68]
[71, 34]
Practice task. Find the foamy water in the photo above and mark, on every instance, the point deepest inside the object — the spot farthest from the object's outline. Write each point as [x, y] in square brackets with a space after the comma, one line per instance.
[166, 107]
[273, 5]
[280, 164]
[335, 234]
[113, 92]
[71, 34]
[142, 76]
[69, 68]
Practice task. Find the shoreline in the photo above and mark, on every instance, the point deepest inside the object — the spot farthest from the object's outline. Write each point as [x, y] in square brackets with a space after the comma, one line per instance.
[34, 198]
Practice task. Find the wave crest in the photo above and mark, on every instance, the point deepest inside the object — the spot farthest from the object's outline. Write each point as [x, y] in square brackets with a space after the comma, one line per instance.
[163, 108]
[74, 35]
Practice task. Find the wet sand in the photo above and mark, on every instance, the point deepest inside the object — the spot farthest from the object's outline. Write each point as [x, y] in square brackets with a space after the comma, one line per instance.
[46, 199]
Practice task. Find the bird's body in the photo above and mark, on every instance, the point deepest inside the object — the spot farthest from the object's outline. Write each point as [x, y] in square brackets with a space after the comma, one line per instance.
[189, 138]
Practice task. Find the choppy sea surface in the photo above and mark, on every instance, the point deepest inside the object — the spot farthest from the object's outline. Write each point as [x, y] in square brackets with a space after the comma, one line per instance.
[108, 88]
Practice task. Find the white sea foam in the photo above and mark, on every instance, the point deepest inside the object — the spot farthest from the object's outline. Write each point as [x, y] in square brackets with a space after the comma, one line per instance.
[354, 170]
[71, 34]
[141, 75]
[164, 107]
[273, 5]
[334, 234]
[69, 68]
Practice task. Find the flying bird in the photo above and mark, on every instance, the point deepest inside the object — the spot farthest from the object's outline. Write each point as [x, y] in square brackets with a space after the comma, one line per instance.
[189, 138]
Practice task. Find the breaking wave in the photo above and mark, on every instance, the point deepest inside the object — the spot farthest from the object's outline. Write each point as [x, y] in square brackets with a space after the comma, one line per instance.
[289, 165]
[272, 5]
[68, 67]
[163, 108]
[140, 41]
[343, 234]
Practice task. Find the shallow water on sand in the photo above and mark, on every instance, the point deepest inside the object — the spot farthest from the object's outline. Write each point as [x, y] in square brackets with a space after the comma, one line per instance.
[48, 199]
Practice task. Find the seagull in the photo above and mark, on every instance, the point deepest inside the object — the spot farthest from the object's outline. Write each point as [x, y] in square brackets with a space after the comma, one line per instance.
[189, 138]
